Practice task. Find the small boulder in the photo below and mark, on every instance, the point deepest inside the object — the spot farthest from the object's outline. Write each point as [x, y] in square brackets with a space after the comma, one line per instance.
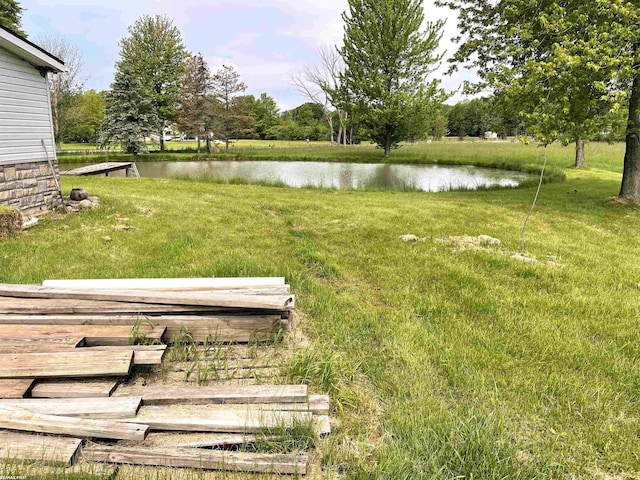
[85, 205]
[409, 238]
[79, 194]
[486, 240]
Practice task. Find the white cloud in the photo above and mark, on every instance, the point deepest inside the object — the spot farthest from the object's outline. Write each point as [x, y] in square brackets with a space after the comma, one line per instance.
[267, 41]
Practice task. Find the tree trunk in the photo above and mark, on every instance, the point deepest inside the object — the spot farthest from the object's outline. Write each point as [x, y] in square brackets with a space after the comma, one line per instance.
[208, 144]
[579, 153]
[330, 122]
[226, 146]
[162, 138]
[387, 146]
[198, 144]
[630, 189]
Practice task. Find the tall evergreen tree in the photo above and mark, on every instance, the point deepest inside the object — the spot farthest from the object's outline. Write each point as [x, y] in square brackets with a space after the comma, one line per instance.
[388, 58]
[130, 114]
[154, 54]
[11, 16]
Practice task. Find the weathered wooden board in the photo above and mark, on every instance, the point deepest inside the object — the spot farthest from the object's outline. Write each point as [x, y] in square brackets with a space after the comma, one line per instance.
[266, 302]
[164, 283]
[201, 440]
[220, 421]
[36, 347]
[40, 306]
[68, 334]
[143, 354]
[199, 459]
[15, 388]
[128, 319]
[75, 388]
[109, 407]
[43, 306]
[322, 425]
[243, 329]
[48, 450]
[25, 421]
[227, 328]
[77, 363]
[216, 394]
[81, 470]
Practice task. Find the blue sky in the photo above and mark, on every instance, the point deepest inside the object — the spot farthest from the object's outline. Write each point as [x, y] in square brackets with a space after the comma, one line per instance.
[266, 41]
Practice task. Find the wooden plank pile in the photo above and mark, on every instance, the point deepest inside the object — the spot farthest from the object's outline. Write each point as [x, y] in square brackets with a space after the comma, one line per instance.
[67, 349]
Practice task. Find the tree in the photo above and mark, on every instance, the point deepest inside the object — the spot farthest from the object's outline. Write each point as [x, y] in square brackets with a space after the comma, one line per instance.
[11, 16]
[193, 102]
[321, 85]
[130, 114]
[64, 87]
[387, 59]
[86, 118]
[154, 54]
[266, 114]
[569, 66]
[230, 115]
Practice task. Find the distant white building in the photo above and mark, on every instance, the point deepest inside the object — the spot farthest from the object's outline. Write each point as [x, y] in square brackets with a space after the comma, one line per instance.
[490, 136]
[27, 145]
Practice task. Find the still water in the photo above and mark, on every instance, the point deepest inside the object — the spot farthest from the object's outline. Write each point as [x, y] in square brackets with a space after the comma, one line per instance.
[344, 176]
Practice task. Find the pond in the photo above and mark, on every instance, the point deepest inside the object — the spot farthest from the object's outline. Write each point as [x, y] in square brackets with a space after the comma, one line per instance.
[343, 176]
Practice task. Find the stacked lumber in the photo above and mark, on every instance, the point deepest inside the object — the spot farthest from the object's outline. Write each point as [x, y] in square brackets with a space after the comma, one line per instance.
[157, 427]
[68, 349]
[201, 309]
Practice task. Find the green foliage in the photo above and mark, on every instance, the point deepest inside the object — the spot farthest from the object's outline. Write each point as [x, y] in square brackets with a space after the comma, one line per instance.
[154, 54]
[265, 112]
[11, 16]
[387, 59]
[130, 114]
[472, 118]
[86, 117]
[565, 66]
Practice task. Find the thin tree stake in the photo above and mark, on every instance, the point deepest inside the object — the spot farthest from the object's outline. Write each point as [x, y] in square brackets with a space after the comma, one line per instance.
[533, 205]
[53, 170]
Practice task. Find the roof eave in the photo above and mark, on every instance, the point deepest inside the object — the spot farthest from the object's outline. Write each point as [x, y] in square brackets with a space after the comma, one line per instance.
[30, 52]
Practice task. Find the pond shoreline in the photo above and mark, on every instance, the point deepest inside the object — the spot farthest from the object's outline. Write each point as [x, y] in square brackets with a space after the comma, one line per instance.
[336, 175]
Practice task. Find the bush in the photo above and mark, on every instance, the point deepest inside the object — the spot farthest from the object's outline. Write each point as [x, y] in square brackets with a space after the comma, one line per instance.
[10, 221]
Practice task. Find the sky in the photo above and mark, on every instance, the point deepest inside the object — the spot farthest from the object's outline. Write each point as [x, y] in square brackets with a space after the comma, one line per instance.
[266, 41]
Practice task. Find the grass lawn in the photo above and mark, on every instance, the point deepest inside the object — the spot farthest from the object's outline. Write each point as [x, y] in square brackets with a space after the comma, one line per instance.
[443, 362]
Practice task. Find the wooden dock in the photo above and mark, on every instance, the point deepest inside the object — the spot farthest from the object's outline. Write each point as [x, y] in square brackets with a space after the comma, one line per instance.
[104, 168]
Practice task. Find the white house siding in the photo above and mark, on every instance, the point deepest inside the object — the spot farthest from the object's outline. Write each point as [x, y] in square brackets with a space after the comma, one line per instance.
[26, 179]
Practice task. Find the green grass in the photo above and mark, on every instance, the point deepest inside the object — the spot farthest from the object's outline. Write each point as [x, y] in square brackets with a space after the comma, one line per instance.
[442, 363]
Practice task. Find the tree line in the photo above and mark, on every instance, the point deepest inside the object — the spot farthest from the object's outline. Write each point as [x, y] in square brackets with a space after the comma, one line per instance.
[564, 71]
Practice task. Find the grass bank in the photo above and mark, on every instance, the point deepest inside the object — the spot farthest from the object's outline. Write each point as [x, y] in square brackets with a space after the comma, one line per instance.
[443, 361]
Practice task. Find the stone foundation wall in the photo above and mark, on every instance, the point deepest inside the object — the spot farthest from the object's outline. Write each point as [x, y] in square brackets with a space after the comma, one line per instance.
[30, 187]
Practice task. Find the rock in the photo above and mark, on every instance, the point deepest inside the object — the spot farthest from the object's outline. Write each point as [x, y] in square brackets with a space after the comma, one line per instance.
[487, 240]
[85, 205]
[524, 258]
[409, 238]
[78, 194]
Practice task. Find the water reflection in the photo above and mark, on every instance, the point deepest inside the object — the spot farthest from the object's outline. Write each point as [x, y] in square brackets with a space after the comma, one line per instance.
[344, 176]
